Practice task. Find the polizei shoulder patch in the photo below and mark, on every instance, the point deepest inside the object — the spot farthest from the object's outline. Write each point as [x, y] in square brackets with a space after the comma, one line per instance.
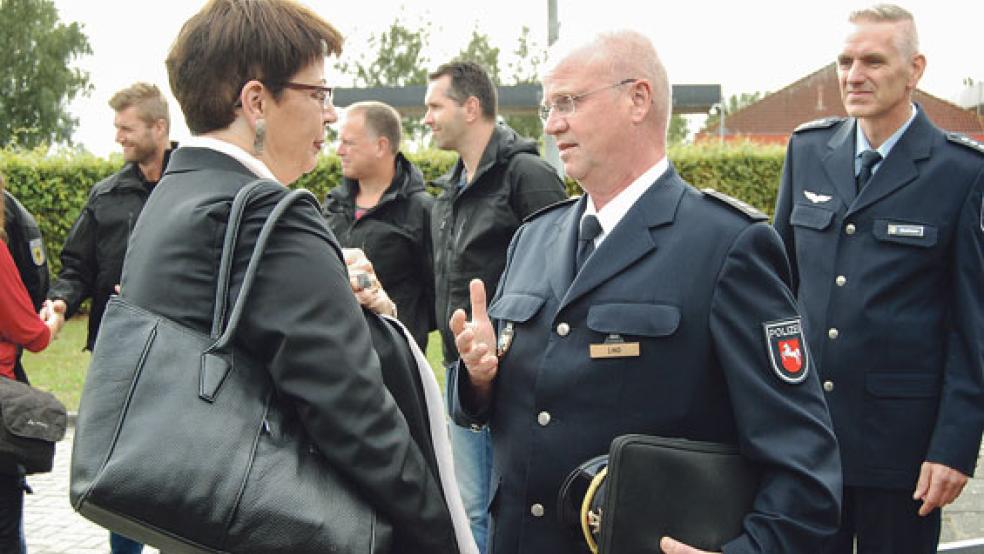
[787, 349]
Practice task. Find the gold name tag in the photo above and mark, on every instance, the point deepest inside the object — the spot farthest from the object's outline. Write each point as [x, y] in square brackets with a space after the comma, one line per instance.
[615, 350]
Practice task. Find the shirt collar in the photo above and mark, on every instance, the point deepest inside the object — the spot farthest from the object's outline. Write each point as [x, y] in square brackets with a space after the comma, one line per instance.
[251, 162]
[613, 212]
[862, 144]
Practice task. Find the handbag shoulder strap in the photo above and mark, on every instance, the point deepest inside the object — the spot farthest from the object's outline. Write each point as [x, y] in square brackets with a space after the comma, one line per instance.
[239, 204]
[215, 360]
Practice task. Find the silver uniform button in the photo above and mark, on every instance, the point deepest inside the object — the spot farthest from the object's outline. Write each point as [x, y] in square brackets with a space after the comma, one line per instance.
[850, 229]
[840, 280]
[475, 427]
[537, 510]
[563, 329]
[833, 332]
[543, 418]
[828, 386]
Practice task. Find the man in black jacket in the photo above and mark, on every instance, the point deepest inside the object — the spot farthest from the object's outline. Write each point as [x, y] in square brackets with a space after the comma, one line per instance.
[498, 180]
[382, 208]
[92, 258]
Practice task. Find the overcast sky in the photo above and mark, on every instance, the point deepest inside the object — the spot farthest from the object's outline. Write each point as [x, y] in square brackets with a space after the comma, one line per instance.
[756, 45]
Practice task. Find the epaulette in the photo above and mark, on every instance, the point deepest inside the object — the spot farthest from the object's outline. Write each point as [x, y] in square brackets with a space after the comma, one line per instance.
[824, 123]
[964, 140]
[551, 207]
[750, 211]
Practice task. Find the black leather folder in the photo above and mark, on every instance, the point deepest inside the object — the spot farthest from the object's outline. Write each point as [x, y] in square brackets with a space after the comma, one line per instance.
[695, 492]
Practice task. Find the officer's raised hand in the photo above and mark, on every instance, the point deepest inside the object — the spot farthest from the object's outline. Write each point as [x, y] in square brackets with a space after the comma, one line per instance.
[475, 341]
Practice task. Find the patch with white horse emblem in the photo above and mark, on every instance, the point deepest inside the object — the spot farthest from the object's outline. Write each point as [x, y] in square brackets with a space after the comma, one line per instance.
[787, 349]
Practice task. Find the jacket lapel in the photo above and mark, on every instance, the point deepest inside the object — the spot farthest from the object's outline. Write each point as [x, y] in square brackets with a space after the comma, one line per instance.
[839, 162]
[631, 239]
[899, 168]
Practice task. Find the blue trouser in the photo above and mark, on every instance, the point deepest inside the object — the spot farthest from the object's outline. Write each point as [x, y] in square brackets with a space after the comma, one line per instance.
[884, 522]
[472, 451]
[118, 544]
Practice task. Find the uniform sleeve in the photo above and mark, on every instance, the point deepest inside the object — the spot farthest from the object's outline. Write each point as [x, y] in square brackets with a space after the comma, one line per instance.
[305, 318]
[956, 437]
[77, 278]
[783, 428]
[780, 218]
[462, 404]
[534, 185]
[18, 322]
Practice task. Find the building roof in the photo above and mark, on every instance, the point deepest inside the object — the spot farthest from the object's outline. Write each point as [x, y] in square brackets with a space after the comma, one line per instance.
[817, 96]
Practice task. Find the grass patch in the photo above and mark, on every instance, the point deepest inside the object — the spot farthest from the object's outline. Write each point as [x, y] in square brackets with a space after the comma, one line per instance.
[60, 368]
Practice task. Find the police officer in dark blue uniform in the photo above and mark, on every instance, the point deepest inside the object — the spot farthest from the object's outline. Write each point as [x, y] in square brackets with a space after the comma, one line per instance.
[881, 216]
[678, 322]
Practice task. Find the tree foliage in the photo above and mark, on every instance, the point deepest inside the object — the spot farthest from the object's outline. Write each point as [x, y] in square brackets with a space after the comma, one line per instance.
[38, 81]
[481, 51]
[399, 57]
[677, 131]
[735, 102]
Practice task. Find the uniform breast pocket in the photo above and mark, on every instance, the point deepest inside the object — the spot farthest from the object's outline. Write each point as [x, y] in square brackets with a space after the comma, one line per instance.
[511, 311]
[811, 217]
[628, 320]
[905, 233]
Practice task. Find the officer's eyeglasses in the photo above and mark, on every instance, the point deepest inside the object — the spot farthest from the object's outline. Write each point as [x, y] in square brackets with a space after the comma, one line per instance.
[565, 105]
[320, 92]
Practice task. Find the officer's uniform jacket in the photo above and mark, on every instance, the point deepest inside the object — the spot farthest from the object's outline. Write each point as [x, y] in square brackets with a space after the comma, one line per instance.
[692, 280]
[892, 288]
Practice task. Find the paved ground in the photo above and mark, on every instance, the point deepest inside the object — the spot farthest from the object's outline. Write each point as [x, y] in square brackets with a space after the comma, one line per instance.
[52, 526]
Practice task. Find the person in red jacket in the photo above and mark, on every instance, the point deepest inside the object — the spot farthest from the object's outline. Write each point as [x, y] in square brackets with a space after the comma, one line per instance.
[20, 327]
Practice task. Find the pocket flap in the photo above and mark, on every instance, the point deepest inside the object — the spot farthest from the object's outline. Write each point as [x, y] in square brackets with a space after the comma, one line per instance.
[813, 217]
[902, 385]
[651, 320]
[902, 232]
[516, 307]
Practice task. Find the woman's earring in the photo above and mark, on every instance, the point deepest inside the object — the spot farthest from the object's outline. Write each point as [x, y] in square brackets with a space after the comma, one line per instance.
[260, 136]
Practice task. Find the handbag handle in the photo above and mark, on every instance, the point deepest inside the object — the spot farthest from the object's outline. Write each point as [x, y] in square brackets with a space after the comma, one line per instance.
[216, 364]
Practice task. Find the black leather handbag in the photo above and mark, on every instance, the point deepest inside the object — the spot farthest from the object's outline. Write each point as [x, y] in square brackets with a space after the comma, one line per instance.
[183, 444]
[31, 422]
[649, 487]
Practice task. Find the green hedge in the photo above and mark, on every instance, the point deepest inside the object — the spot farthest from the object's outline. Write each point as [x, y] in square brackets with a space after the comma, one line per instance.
[55, 187]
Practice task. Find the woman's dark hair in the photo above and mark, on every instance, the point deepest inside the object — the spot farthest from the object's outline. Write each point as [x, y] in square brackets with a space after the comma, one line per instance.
[230, 42]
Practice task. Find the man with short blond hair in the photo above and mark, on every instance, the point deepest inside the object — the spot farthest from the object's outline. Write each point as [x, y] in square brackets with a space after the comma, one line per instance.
[92, 257]
[881, 215]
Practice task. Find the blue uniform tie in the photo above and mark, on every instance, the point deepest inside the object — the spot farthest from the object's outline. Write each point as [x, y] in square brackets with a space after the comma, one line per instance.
[590, 228]
[869, 158]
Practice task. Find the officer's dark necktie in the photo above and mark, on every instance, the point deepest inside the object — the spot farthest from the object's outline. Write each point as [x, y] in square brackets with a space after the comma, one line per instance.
[590, 228]
[868, 160]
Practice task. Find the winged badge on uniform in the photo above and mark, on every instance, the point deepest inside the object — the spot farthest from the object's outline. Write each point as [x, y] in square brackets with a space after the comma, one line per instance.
[816, 198]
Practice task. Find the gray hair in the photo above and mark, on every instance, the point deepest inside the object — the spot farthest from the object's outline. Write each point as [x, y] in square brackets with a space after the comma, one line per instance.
[907, 41]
